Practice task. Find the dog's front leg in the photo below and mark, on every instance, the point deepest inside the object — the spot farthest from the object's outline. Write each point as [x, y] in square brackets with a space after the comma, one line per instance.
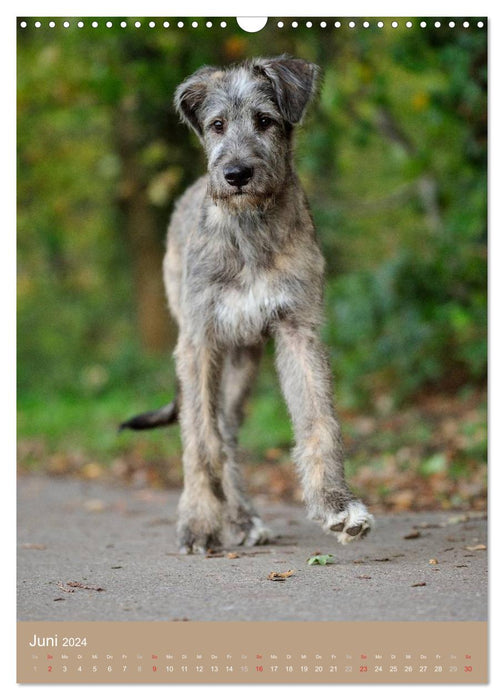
[240, 369]
[305, 376]
[201, 506]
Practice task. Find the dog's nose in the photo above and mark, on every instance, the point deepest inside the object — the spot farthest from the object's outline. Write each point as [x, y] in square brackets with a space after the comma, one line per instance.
[238, 175]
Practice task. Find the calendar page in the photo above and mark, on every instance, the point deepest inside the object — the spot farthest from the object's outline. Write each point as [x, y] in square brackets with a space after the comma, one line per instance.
[252, 350]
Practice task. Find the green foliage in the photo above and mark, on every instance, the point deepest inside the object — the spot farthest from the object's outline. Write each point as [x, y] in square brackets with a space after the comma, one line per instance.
[408, 323]
[86, 427]
[320, 559]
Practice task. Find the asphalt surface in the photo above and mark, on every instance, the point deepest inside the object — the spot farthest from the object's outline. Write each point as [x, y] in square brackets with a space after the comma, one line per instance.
[413, 566]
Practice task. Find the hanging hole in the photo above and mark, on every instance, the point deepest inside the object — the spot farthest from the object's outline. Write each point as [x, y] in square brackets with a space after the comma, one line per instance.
[252, 24]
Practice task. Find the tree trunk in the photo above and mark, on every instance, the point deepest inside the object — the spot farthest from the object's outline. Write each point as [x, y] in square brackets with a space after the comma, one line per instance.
[156, 328]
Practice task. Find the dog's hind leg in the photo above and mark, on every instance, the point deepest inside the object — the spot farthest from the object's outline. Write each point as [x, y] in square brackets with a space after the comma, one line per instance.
[239, 372]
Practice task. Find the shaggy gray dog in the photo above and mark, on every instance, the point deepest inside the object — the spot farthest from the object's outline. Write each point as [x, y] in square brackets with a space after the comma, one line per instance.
[243, 264]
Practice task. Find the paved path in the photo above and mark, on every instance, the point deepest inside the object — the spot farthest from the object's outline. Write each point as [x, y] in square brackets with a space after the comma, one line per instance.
[122, 540]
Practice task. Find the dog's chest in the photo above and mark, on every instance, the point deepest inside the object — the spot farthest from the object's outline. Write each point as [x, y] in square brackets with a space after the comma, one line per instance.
[243, 311]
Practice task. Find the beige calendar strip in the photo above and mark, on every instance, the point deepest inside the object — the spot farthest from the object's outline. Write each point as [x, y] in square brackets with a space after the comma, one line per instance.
[252, 652]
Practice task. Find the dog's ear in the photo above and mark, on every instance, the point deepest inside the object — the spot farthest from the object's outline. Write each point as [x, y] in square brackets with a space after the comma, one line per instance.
[294, 81]
[190, 94]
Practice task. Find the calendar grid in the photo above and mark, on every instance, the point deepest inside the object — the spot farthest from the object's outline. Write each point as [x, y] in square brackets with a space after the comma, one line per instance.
[252, 652]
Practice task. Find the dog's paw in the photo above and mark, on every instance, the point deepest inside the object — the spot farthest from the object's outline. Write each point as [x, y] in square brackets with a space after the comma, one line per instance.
[194, 541]
[249, 531]
[258, 533]
[352, 523]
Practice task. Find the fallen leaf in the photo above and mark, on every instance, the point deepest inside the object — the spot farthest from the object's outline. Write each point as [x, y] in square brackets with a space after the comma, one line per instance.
[276, 576]
[232, 555]
[62, 587]
[92, 470]
[29, 545]
[364, 576]
[433, 561]
[76, 584]
[56, 599]
[273, 454]
[403, 500]
[416, 585]
[412, 535]
[475, 547]
[322, 559]
[456, 519]
[160, 521]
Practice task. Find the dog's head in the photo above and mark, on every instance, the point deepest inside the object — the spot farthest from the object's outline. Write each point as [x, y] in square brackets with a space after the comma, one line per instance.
[244, 117]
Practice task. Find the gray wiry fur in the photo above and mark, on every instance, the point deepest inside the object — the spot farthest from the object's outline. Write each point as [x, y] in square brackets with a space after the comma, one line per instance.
[243, 264]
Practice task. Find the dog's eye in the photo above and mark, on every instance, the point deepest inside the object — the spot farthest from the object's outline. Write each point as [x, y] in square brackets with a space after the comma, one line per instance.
[263, 121]
[218, 126]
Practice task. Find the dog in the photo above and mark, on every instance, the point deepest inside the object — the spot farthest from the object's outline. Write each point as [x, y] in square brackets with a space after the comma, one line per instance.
[243, 264]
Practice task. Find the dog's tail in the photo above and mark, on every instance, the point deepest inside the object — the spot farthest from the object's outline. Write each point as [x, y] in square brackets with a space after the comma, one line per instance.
[153, 419]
